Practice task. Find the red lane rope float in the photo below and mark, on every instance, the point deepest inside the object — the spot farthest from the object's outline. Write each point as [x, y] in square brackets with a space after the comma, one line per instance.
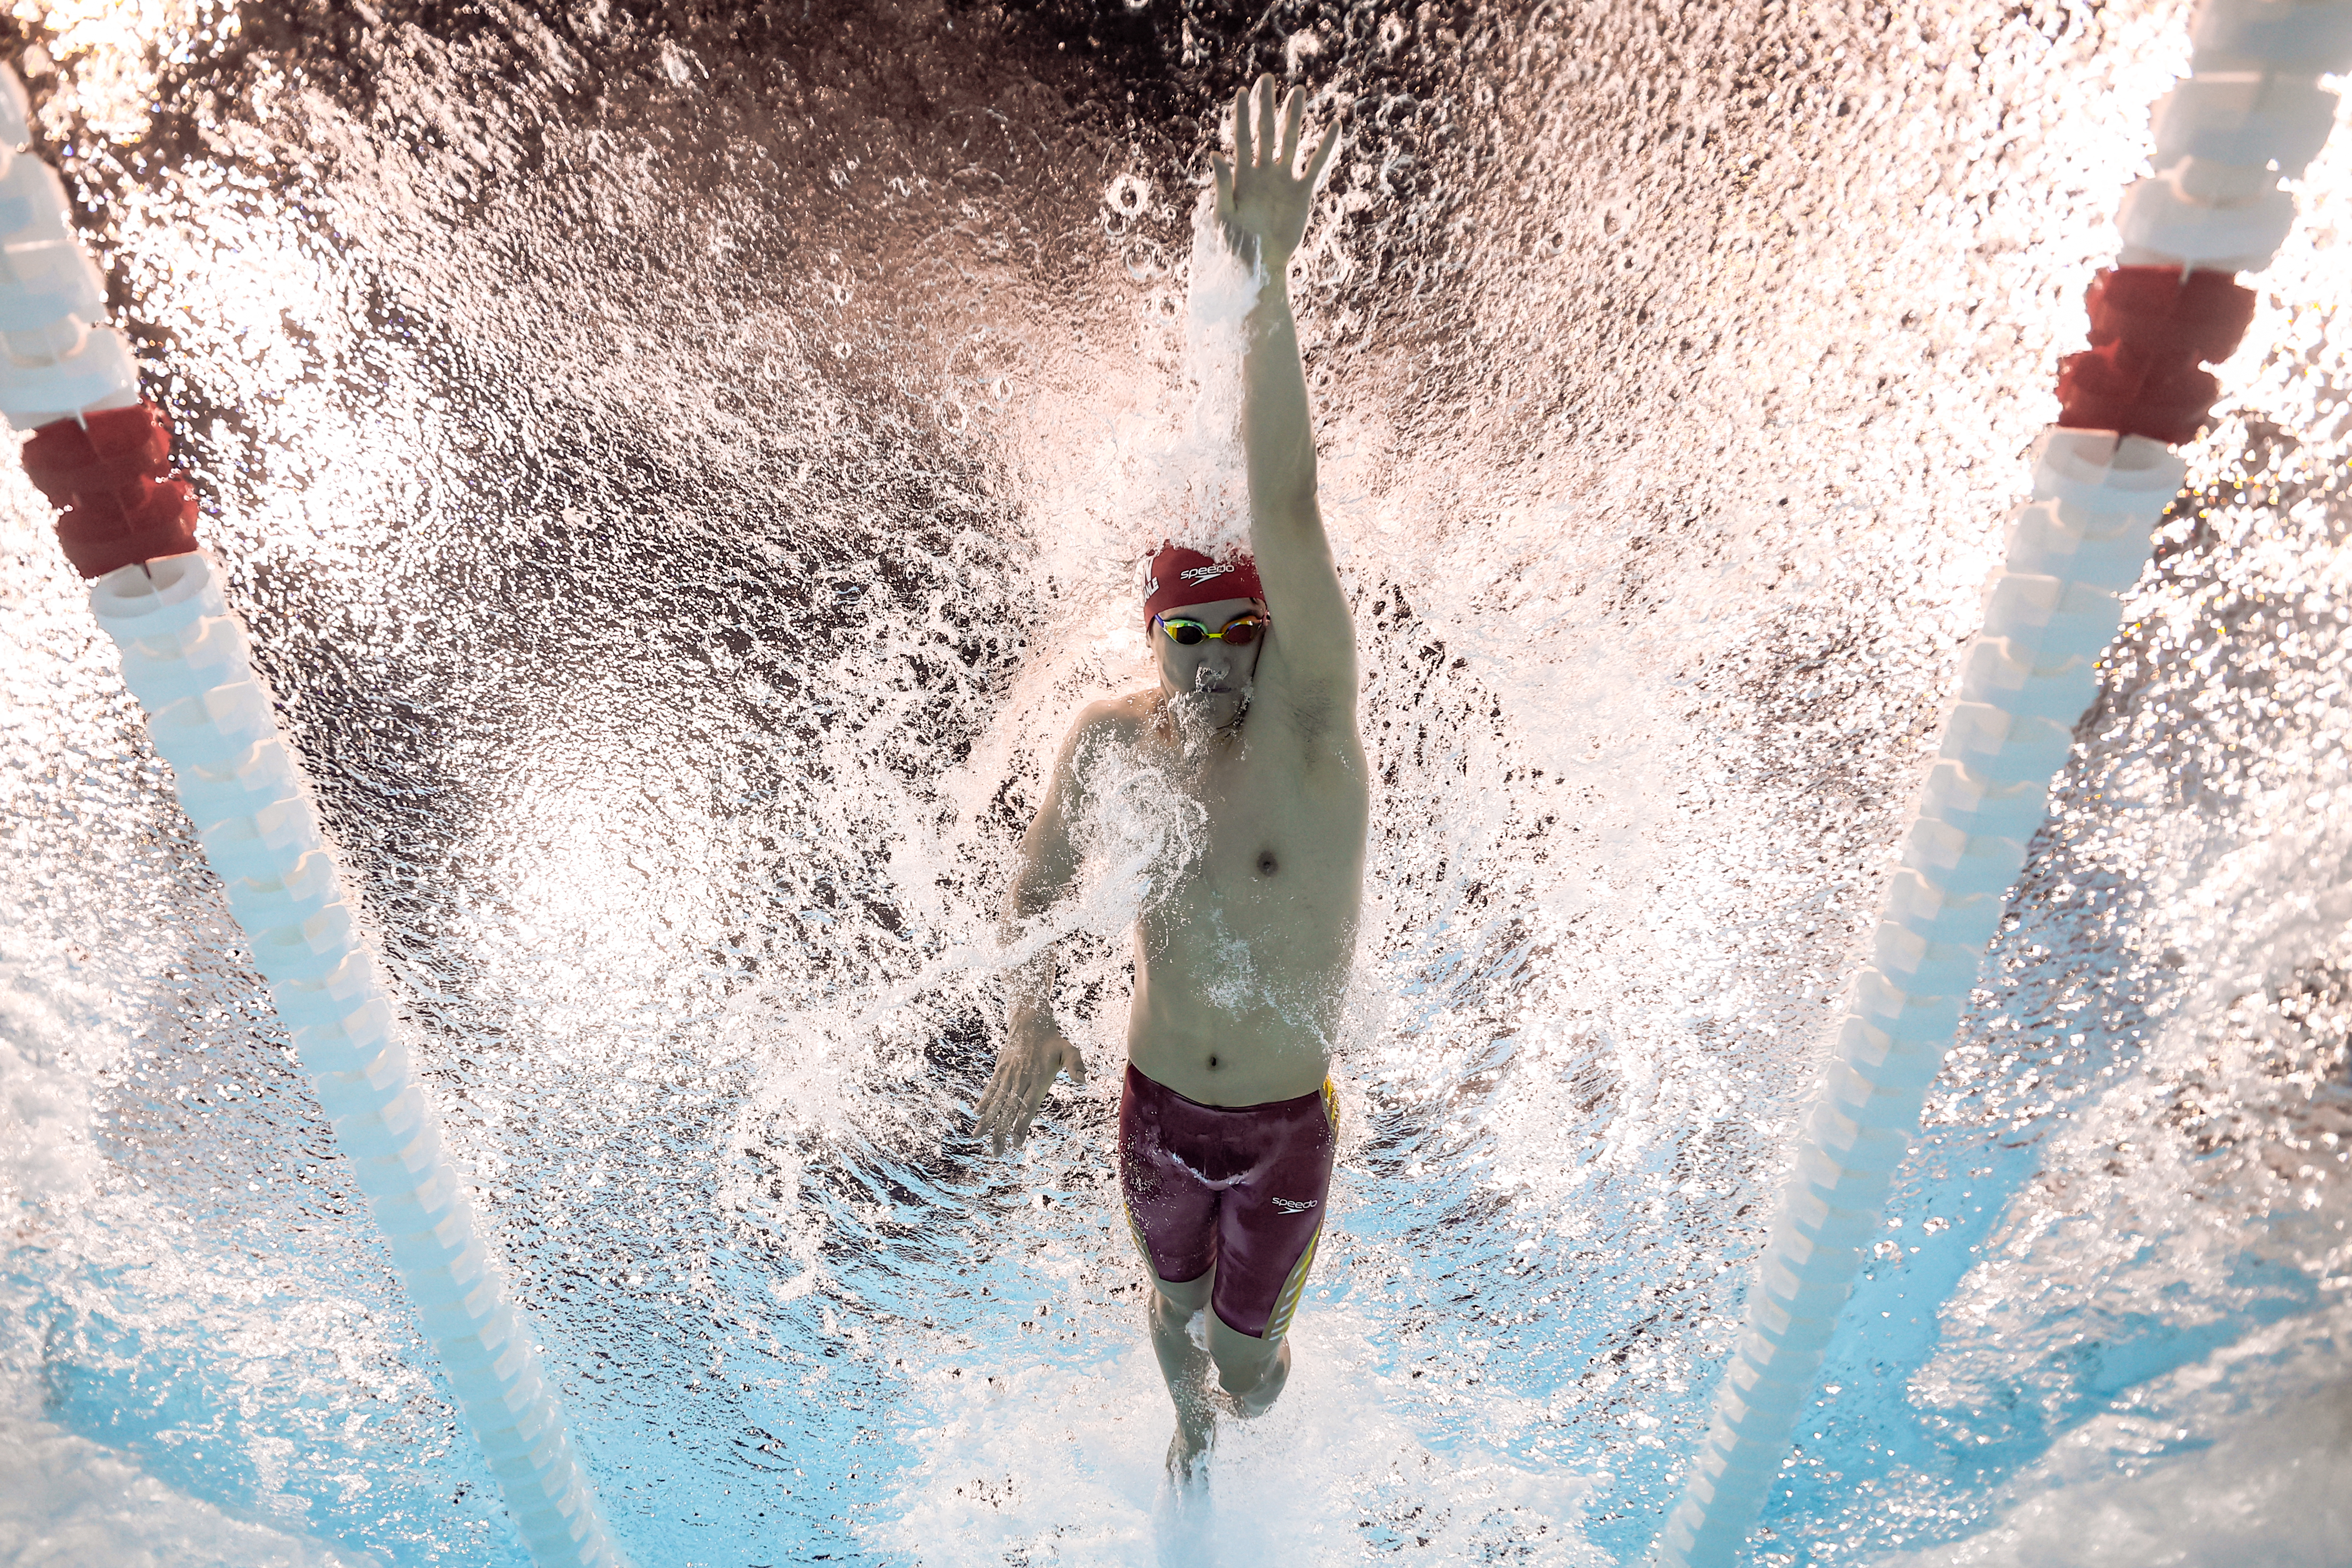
[110, 473]
[2250, 114]
[2152, 327]
[128, 522]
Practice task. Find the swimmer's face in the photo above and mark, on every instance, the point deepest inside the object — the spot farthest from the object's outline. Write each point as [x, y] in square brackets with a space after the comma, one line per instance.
[1210, 678]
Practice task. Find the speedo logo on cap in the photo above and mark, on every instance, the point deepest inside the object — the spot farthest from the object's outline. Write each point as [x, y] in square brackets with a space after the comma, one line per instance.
[1196, 576]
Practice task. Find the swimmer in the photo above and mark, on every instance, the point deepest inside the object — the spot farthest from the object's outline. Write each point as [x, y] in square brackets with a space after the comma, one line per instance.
[1227, 1124]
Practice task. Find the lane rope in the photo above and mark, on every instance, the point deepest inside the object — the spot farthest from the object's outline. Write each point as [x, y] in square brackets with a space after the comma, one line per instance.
[2250, 114]
[127, 521]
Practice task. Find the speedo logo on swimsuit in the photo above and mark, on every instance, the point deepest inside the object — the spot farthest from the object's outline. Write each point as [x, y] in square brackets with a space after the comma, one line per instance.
[1294, 1206]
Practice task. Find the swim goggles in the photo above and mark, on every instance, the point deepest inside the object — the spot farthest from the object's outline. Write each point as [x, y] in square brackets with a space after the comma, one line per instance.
[1239, 632]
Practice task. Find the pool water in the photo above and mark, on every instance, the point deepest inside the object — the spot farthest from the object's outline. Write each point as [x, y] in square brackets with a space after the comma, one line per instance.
[684, 467]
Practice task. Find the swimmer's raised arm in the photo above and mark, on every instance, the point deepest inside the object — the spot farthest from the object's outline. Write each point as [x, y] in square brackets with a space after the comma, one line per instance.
[1309, 665]
[1034, 1047]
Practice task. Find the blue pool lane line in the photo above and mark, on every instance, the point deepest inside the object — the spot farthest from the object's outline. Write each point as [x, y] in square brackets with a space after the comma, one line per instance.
[210, 717]
[2250, 114]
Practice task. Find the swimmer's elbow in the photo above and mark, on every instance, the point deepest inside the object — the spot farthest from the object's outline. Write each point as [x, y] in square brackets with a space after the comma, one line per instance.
[1037, 887]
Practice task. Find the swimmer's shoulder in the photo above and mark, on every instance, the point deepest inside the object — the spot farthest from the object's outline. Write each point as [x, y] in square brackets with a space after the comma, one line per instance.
[1113, 724]
[1114, 721]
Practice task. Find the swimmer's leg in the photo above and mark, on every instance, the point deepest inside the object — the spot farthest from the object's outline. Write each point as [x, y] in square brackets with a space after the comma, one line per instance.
[1250, 1369]
[1267, 1229]
[1173, 1307]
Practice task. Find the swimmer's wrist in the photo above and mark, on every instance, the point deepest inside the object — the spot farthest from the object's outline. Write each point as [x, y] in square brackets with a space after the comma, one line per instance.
[1027, 1025]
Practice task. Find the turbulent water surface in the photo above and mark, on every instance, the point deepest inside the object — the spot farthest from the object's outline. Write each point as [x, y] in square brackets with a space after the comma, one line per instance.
[684, 466]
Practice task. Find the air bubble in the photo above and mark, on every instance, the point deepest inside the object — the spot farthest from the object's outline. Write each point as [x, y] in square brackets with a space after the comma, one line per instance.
[690, 844]
[1128, 196]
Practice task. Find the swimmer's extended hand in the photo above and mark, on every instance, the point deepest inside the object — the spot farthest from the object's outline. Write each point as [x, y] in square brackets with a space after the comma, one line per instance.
[1024, 1071]
[1258, 196]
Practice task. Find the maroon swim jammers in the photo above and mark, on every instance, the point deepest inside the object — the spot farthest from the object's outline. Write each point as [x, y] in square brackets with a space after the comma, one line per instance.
[1240, 1186]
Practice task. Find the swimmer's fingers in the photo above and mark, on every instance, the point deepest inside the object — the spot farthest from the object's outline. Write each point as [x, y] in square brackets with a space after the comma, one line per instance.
[1012, 1123]
[985, 1119]
[1221, 174]
[993, 1120]
[1268, 137]
[1243, 158]
[1023, 1080]
[1033, 1085]
[997, 1110]
[1037, 1082]
[1294, 111]
[1322, 158]
[1002, 1119]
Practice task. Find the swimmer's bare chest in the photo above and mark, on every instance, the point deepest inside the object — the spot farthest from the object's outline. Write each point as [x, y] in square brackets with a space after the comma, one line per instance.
[1242, 959]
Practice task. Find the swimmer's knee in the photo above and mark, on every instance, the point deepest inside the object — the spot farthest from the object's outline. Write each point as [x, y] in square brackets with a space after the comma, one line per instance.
[1185, 1297]
[1169, 1315]
[1244, 1360]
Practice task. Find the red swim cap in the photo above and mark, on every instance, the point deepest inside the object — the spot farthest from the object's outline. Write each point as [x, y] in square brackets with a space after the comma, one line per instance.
[1182, 576]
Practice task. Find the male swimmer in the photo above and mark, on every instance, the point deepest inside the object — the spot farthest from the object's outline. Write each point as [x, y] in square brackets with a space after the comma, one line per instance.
[1227, 1122]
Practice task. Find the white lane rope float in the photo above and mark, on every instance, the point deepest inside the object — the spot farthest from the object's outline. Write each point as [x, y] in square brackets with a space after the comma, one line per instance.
[2251, 114]
[102, 453]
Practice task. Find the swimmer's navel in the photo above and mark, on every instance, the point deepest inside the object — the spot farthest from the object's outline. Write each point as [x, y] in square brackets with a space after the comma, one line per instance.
[1213, 1061]
[1265, 866]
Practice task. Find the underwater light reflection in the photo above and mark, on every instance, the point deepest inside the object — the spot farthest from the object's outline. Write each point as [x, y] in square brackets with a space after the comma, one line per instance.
[684, 473]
